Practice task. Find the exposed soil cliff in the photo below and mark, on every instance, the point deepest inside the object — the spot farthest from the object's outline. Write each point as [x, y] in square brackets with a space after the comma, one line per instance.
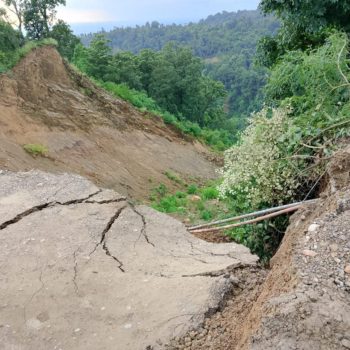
[44, 101]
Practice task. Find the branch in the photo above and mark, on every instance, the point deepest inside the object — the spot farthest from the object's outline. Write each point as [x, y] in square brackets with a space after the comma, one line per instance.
[338, 63]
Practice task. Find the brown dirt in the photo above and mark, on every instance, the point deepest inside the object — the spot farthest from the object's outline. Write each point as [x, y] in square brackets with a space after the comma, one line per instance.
[213, 237]
[44, 101]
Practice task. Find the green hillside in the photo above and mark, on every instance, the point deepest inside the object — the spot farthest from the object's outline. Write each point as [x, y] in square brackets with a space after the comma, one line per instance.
[225, 41]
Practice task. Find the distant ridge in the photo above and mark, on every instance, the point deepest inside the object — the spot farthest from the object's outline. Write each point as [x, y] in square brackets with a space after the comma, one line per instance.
[206, 37]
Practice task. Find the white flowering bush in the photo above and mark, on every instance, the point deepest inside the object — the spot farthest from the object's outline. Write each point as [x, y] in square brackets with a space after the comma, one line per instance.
[259, 169]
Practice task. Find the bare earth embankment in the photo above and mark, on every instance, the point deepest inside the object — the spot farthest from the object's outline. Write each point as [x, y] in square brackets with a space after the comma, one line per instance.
[43, 101]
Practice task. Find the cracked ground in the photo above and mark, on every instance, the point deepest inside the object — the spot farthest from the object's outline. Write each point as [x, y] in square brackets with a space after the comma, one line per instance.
[82, 268]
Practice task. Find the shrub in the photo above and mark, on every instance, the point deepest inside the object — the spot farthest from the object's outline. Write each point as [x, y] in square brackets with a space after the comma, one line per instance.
[161, 190]
[9, 59]
[192, 189]
[206, 215]
[210, 193]
[36, 149]
[171, 204]
[173, 177]
[258, 167]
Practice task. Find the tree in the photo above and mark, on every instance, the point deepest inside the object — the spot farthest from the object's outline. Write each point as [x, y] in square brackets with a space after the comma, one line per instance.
[65, 38]
[10, 39]
[124, 68]
[99, 56]
[304, 25]
[16, 8]
[80, 57]
[39, 16]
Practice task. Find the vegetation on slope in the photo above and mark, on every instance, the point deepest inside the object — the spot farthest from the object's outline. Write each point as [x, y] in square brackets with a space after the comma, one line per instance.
[282, 154]
[225, 41]
[218, 139]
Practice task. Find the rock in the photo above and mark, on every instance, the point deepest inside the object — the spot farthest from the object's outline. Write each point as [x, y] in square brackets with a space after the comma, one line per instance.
[346, 343]
[313, 228]
[195, 198]
[347, 269]
[334, 247]
[310, 253]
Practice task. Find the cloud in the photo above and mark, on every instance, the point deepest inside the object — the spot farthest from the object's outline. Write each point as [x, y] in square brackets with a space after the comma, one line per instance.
[140, 11]
[72, 15]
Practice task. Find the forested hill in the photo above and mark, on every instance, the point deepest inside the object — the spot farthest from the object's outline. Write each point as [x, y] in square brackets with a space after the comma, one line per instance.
[227, 43]
[218, 34]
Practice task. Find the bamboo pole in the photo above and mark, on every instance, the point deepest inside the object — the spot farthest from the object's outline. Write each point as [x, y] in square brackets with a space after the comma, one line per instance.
[257, 213]
[253, 221]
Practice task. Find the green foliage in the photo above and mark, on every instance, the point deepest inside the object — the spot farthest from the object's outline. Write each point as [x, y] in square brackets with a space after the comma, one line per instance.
[10, 39]
[304, 25]
[226, 42]
[98, 58]
[39, 16]
[173, 177]
[283, 152]
[65, 38]
[181, 204]
[9, 59]
[192, 189]
[161, 190]
[219, 140]
[171, 204]
[36, 149]
[172, 78]
[206, 215]
[209, 193]
[257, 167]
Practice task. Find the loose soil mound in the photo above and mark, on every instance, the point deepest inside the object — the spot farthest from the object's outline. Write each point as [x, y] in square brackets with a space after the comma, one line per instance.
[44, 101]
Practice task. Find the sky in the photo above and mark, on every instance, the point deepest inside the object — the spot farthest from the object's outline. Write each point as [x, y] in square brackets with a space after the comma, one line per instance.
[86, 15]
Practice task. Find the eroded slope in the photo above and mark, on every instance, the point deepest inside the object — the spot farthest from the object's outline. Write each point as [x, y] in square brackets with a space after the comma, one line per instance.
[44, 101]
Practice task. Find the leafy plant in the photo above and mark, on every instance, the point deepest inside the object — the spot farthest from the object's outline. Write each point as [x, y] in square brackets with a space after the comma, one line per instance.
[209, 193]
[192, 189]
[36, 149]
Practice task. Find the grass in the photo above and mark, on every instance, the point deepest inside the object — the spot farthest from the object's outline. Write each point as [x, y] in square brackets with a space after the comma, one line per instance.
[218, 139]
[173, 177]
[194, 203]
[36, 149]
[9, 59]
[190, 202]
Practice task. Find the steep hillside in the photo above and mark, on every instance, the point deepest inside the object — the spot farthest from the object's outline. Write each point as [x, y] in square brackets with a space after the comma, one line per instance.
[218, 34]
[44, 101]
[227, 43]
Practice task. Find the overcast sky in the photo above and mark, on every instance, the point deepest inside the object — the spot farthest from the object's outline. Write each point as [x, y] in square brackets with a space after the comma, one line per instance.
[80, 13]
